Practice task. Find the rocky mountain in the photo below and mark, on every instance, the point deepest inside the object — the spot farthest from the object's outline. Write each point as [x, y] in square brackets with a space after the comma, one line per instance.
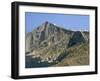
[49, 45]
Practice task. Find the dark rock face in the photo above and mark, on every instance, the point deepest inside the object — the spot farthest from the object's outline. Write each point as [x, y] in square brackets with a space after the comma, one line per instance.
[77, 38]
[48, 43]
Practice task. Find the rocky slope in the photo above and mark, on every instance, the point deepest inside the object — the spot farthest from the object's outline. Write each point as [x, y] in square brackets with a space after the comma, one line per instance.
[50, 45]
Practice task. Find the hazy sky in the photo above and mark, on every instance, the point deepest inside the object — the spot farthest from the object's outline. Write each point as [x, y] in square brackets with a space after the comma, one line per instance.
[68, 21]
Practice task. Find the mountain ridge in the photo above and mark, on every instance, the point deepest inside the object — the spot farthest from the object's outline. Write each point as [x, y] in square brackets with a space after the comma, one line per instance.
[48, 42]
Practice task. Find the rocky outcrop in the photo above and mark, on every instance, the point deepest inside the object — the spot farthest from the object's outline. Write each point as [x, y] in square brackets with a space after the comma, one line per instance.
[78, 37]
[48, 42]
[28, 42]
[46, 32]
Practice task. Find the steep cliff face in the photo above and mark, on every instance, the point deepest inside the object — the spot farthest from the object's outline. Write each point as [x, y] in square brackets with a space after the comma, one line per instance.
[77, 37]
[28, 42]
[46, 33]
[49, 42]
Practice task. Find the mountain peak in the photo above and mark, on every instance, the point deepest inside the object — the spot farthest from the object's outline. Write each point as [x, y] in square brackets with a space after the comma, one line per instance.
[46, 25]
[47, 22]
